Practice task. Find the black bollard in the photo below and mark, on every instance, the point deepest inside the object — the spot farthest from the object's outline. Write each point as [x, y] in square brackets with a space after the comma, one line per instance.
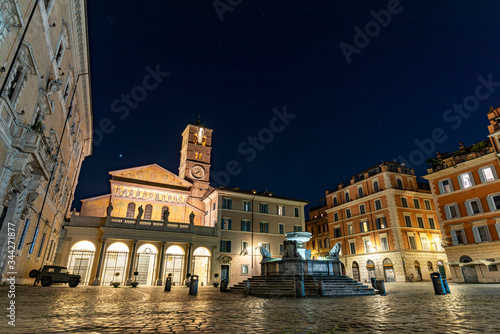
[445, 284]
[437, 282]
[247, 287]
[193, 285]
[321, 288]
[300, 290]
[168, 284]
[374, 282]
[380, 287]
[223, 285]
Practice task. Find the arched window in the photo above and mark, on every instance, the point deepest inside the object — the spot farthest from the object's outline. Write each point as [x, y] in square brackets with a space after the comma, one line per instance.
[148, 212]
[335, 201]
[399, 184]
[370, 264]
[429, 265]
[360, 192]
[347, 198]
[465, 259]
[375, 186]
[387, 262]
[130, 210]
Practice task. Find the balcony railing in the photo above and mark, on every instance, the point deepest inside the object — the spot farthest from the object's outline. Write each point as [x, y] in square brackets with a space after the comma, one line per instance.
[157, 225]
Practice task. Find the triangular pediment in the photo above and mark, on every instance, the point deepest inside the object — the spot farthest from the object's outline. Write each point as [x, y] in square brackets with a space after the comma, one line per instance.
[151, 173]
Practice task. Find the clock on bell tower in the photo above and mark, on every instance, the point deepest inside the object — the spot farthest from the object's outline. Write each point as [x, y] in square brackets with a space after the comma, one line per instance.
[195, 154]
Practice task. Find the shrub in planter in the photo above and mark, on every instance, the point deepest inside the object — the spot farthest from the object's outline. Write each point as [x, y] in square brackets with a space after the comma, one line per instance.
[215, 283]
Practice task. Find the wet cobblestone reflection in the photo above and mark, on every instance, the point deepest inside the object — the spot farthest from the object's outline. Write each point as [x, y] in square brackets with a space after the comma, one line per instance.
[408, 308]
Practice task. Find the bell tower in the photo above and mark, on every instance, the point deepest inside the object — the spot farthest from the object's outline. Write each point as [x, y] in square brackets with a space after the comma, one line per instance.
[195, 156]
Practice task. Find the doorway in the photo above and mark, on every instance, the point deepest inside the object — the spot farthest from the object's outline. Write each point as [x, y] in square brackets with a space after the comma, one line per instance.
[389, 271]
[418, 272]
[355, 271]
[224, 272]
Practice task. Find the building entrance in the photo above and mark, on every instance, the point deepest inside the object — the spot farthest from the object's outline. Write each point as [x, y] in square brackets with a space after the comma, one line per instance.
[146, 261]
[201, 261]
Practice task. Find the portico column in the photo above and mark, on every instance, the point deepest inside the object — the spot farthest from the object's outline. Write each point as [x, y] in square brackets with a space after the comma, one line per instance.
[159, 281]
[189, 258]
[131, 265]
[97, 280]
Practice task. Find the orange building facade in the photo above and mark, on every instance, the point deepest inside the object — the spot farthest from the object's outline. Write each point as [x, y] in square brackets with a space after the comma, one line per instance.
[386, 223]
[466, 191]
[318, 226]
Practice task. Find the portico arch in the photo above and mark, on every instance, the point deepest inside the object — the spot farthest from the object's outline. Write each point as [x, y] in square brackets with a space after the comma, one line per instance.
[81, 258]
[115, 262]
[201, 264]
[146, 263]
[174, 264]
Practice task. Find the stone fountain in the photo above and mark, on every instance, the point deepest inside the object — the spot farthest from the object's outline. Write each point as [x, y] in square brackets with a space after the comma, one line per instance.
[297, 275]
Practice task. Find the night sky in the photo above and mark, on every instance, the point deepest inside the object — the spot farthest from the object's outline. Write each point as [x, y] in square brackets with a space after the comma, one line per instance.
[287, 55]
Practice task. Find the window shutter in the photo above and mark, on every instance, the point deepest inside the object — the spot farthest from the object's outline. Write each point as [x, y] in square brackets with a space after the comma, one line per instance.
[229, 224]
[471, 176]
[480, 205]
[378, 223]
[361, 226]
[460, 183]
[447, 212]
[497, 225]
[228, 243]
[468, 208]
[491, 203]
[454, 237]
[481, 176]
[477, 237]
[441, 188]
[493, 170]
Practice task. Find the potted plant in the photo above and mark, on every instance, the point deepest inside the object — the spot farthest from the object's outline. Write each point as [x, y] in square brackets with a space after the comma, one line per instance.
[215, 283]
[116, 284]
[168, 283]
[188, 275]
[135, 283]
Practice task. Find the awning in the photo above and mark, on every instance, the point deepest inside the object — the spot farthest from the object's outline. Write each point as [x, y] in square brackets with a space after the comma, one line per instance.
[473, 263]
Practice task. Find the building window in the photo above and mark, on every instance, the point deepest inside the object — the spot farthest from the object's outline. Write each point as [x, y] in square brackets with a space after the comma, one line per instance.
[319, 229]
[408, 221]
[445, 186]
[312, 229]
[420, 222]
[214, 206]
[451, 211]
[326, 243]
[352, 247]
[375, 186]
[336, 216]
[427, 205]
[466, 180]
[378, 204]
[473, 207]
[325, 227]
[246, 206]
[363, 226]
[337, 232]
[226, 223]
[130, 210]
[313, 244]
[411, 241]
[296, 212]
[335, 201]
[399, 184]
[458, 237]
[348, 213]
[404, 202]
[35, 235]
[368, 245]
[14, 84]
[481, 233]
[227, 203]
[264, 227]
[350, 229]
[429, 266]
[360, 192]
[432, 224]
[436, 242]
[494, 202]
[362, 209]
[492, 267]
[381, 223]
[281, 228]
[425, 242]
[60, 52]
[347, 197]
[225, 246]
[244, 269]
[416, 203]
[264, 208]
[281, 248]
[487, 174]
[148, 212]
[23, 234]
[384, 245]
[297, 228]
[244, 247]
[267, 246]
[281, 210]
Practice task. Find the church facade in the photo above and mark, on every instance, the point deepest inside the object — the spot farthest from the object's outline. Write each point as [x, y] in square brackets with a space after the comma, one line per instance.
[154, 223]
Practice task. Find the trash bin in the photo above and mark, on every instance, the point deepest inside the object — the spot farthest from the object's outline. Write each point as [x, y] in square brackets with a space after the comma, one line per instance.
[193, 285]
[168, 284]
[445, 284]
[374, 281]
[380, 286]
[223, 285]
[437, 282]
[299, 286]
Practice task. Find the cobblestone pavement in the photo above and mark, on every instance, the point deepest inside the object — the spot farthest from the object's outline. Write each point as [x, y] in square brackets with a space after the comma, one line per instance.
[407, 308]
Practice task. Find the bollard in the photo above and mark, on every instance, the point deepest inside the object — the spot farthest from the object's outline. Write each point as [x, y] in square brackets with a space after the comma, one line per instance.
[247, 287]
[168, 284]
[437, 282]
[223, 285]
[299, 286]
[374, 282]
[321, 288]
[380, 287]
[445, 284]
[193, 285]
